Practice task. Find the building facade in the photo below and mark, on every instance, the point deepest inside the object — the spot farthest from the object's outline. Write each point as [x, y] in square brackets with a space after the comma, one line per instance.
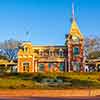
[65, 58]
[41, 58]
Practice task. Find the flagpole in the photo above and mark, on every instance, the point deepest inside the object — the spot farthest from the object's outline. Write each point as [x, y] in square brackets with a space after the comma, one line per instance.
[27, 36]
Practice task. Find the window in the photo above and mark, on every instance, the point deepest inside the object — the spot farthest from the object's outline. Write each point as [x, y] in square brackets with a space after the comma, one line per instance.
[50, 53]
[51, 66]
[76, 51]
[40, 53]
[57, 52]
[61, 67]
[25, 49]
[26, 67]
[61, 53]
[41, 67]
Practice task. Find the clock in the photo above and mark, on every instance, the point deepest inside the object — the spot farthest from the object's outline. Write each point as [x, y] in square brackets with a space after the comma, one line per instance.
[75, 39]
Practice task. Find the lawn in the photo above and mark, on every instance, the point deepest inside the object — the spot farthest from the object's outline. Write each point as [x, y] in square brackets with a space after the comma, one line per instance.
[49, 80]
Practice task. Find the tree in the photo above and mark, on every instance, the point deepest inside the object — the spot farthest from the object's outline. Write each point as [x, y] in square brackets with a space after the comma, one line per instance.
[9, 44]
[92, 46]
[11, 53]
[94, 55]
[9, 48]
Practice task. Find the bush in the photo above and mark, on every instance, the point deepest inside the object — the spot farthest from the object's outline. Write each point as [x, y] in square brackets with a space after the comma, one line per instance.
[55, 80]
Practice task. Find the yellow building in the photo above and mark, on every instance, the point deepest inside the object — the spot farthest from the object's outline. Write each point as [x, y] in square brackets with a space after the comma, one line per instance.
[40, 58]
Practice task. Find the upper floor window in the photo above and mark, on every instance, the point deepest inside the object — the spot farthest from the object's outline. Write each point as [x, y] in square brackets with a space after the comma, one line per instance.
[76, 51]
[36, 51]
[50, 53]
[46, 52]
[25, 49]
[61, 53]
[41, 53]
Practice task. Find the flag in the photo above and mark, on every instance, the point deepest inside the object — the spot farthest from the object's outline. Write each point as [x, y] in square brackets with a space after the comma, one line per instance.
[27, 33]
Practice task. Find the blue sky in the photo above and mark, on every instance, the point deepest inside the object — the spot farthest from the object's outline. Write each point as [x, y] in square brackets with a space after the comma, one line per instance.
[47, 21]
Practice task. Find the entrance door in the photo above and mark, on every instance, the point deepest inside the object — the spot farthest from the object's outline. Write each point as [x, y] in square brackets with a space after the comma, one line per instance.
[76, 66]
[26, 67]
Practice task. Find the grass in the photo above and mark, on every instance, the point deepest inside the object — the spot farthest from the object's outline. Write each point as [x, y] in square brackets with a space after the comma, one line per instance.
[34, 80]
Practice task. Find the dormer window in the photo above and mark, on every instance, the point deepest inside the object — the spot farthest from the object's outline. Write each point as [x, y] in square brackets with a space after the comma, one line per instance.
[50, 53]
[61, 53]
[41, 53]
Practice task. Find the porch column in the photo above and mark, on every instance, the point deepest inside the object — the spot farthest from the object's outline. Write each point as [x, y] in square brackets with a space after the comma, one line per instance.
[36, 66]
[69, 58]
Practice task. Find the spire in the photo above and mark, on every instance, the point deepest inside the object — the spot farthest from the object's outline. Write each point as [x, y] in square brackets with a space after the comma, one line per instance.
[74, 30]
[73, 12]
